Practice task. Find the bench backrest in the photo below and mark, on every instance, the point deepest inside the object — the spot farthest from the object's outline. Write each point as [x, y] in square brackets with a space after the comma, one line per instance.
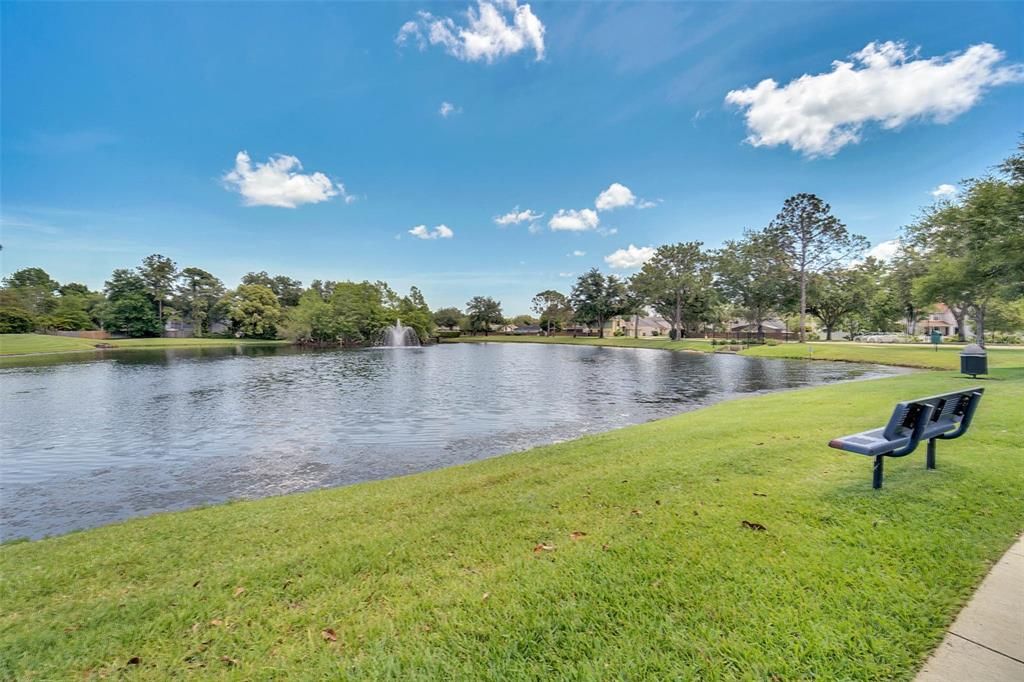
[948, 410]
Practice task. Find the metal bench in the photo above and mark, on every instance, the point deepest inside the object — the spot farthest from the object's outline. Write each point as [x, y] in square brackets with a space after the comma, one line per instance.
[937, 417]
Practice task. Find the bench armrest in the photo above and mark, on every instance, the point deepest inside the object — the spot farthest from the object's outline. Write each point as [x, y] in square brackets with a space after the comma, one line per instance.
[965, 422]
[915, 435]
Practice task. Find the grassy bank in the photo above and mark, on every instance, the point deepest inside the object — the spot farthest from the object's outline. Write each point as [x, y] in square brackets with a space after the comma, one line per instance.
[904, 355]
[23, 344]
[620, 555]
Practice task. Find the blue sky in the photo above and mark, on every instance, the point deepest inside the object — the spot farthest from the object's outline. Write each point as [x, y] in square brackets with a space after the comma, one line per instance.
[122, 124]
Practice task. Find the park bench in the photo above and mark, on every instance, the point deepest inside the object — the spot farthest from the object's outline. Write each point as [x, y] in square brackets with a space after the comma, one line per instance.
[938, 417]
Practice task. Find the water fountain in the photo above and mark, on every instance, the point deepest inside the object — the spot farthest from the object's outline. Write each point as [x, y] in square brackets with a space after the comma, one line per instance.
[399, 336]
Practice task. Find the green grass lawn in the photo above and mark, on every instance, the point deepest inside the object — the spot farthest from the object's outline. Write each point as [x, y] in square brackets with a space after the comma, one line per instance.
[621, 555]
[17, 344]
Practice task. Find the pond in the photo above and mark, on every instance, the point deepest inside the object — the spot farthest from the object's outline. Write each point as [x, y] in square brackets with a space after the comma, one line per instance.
[93, 441]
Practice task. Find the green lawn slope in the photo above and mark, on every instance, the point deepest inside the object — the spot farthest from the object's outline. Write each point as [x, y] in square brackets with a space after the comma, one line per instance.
[724, 543]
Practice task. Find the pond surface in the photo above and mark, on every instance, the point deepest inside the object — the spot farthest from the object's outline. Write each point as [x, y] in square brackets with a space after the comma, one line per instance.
[93, 441]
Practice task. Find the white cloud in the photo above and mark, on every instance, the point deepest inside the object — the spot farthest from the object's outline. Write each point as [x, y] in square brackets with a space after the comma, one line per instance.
[577, 253]
[608, 231]
[884, 251]
[820, 114]
[615, 196]
[447, 109]
[647, 203]
[439, 232]
[944, 190]
[566, 274]
[515, 216]
[278, 183]
[493, 30]
[630, 257]
[535, 228]
[574, 221]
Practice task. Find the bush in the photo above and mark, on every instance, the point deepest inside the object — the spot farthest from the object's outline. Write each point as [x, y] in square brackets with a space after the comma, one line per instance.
[448, 333]
[16, 321]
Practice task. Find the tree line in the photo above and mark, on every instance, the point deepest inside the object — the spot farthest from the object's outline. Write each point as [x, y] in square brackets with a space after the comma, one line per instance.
[140, 301]
[966, 252]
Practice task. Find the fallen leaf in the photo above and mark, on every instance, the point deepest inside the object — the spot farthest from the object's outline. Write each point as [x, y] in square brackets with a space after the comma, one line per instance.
[604, 547]
[542, 547]
[134, 660]
[636, 512]
[216, 622]
[753, 526]
[228, 660]
[196, 583]
[577, 534]
[329, 635]
[487, 595]
[760, 494]
[239, 591]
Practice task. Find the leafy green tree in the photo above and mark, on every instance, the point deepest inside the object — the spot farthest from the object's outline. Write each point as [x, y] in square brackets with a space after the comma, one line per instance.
[254, 311]
[324, 289]
[947, 280]
[158, 273]
[70, 314]
[449, 318]
[596, 298]
[124, 282]
[15, 320]
[414, 312]
[73, 288]
[753, 273]
[312, 320]
[836, 294]
[132, 314]
[553, 309]
[32, 290]
[524, 320]
[813, 240]
[676, 282]
[199, 294]
[360, 312]
[482, 312]
[982, 232]
[286, 289]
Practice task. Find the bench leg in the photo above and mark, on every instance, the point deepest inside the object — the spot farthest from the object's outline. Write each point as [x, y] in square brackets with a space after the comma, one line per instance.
[930, 459]
[876, 478]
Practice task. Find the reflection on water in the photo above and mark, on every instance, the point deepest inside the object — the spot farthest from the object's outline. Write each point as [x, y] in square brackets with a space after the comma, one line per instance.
[94, 441]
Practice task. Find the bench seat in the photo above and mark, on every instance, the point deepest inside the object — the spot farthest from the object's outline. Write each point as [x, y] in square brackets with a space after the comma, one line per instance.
[869, 443]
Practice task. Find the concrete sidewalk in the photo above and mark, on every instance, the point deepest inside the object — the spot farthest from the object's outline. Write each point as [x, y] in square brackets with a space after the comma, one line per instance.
[986, 643]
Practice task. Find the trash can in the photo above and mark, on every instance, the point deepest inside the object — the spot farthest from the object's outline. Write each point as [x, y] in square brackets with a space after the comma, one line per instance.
[936, 337]
[973, 360]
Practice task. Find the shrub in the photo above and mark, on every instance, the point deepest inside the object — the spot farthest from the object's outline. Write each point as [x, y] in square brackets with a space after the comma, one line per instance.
[16, 321]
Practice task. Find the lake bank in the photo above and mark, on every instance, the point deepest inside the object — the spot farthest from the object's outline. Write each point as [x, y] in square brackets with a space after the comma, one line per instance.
[618, 554]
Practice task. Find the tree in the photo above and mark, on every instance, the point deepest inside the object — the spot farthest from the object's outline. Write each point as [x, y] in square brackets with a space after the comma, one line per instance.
[124, 282]
[286, 289]
[312, 320]
[982, 233]
[70, 314]
[482, 312]
[676, 282]
[814, 241]
[553, 309]
[597, 298]
[754, 274]
[254, 311]
[947, 281]
[15, 320]
[835, 294]
[132, 314]
[360, 312]
[199, 296]
[414, 312]
[32, 290]
[158, 273]
[449, 318]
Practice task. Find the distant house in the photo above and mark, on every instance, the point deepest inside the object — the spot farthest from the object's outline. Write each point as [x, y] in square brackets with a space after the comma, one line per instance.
[179, 329]
[766, 326]
[644, 326]
[528, 330]
[504, 328]
[941, 319]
